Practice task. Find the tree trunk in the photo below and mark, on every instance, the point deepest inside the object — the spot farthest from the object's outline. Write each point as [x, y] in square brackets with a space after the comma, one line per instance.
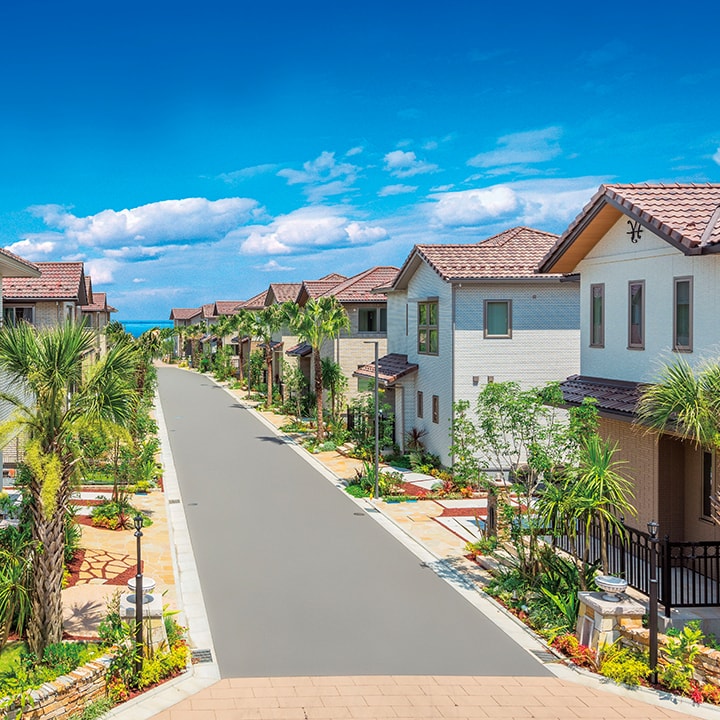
[318, 395]
[45, 626]
[269, 369]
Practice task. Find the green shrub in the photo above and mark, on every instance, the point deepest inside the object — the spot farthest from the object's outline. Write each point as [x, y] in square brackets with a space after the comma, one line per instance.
[93, 710]
[623, 665]
[357, 491]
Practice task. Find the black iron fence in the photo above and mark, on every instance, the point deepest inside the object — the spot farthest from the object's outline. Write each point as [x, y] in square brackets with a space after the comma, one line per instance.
[688, 572]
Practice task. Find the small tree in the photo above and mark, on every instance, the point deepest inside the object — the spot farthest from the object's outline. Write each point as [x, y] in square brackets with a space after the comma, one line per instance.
[315, 323]
[336, 383]
[266, 323]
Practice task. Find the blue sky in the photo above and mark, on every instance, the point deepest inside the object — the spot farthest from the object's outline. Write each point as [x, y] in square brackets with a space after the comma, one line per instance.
[197, 152]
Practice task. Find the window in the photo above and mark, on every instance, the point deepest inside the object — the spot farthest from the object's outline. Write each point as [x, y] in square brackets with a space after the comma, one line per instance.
[419, 404]
[498, 319]
[428, 327]
[13, 315]
[372, 320]
[436, 409]
[597, 315]
[636, 315]
[707, 484]
[682, 315]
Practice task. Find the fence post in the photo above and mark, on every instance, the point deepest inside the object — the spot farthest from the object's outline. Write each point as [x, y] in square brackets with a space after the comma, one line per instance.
[623, 546]
[666, 579]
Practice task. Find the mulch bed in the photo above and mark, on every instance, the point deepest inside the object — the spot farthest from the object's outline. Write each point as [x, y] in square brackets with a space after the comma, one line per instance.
[464, 512]
[74, 567]
[87, 503]
[123, 577]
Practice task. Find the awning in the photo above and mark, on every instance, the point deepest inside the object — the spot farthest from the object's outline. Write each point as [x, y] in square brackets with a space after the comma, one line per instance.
[390, 369]
[615, 397]
[300, 350]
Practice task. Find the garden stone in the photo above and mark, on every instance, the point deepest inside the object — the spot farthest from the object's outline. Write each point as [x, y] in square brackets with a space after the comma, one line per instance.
[601, 621]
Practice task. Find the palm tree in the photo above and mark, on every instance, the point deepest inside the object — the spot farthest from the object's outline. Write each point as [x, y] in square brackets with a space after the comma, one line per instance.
[65, 395]
[334, 380]
[600, 491]
[265, 324]
[241, 323]
[315, 323]
[685, 403]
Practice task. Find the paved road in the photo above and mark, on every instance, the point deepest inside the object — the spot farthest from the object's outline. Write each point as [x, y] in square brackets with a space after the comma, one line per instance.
[298, 582]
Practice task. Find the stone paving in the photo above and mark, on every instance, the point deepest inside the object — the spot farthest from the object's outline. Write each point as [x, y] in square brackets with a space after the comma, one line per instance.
[393, 697]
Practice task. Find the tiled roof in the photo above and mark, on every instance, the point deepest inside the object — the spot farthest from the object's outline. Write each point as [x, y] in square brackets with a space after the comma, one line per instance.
[99, 303]
[358, 288]
[282, 292]
[26, 267]
[685, 215]
[300, 350]
[390, 368]
[333, 277]
[615, 397]
[511, 254]
[57, 281]
[208, 311]
[316, 288]
[255, 303]
[184, 313]
[226, 307]
[88, 289]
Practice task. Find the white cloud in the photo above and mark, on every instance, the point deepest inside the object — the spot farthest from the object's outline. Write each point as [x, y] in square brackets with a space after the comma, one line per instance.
[529, 202]
[272, 266]
[167, 221]
[716, 156]
[357, 150]
[101, 271]
[403, 164]
[322, 177]
[139, 280]
[137, 252]
[246, 173]
[472, 207]
[534, 146]
[307, 229]
[396, 190]
[35, 249]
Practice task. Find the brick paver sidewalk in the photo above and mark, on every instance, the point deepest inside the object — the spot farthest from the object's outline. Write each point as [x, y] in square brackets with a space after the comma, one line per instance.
[408, 697]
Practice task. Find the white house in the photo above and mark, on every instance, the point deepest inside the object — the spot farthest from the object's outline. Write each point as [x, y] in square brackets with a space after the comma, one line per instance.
[649, 265]
[461, 316]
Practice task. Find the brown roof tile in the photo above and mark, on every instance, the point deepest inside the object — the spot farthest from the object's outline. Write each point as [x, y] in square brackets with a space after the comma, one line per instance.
[686, 215]
[511, 254]
[300, 350]
[284, 292]
[99, 303]
[358, 288]
[256, 302]
[226, 307]
[390, 368]
[184, 313]
[615, 397]
[57, 281]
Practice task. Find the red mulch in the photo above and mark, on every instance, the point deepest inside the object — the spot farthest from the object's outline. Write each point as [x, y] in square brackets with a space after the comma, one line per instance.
[123, 577]
[464, 512]
[84, 520]
[414, 490]
[74, 567]
[88, 503]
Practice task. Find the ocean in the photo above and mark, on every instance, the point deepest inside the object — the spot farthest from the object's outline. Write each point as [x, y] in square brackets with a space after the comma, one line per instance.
[137, 327]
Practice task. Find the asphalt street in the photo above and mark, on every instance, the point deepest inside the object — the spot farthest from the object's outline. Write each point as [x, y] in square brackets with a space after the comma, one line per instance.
[297, 580]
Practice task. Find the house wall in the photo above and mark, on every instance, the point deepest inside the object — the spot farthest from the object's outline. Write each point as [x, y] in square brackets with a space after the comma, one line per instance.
[50, 314]
[638, 452]
[615, 261]
[434, 375]
[545, 342]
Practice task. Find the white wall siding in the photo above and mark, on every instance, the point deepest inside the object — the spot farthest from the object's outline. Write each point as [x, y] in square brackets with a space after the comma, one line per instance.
[434, 376]
[398, 340]
[545, 342]
[615, 261]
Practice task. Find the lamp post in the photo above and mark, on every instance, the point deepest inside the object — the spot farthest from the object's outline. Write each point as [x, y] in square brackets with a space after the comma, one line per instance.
[377, 422]
[138, 522]
[653, 600]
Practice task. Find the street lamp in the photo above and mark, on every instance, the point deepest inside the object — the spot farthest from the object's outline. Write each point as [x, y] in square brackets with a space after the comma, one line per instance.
[652, 527]
[377, 421]
[138, 522]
